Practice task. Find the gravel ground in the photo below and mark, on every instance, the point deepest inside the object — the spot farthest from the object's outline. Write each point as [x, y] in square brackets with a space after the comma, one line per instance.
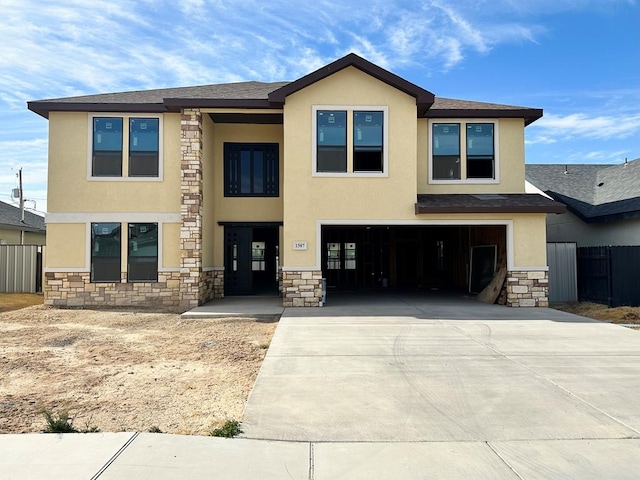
[127, 370]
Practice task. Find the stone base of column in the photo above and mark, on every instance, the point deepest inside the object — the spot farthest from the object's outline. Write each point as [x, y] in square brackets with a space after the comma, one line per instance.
[528, 289]
[302, 288]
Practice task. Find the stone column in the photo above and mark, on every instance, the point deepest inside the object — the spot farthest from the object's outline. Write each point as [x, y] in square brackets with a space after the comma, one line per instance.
[302, 288]
[191, 277]
[528, 289]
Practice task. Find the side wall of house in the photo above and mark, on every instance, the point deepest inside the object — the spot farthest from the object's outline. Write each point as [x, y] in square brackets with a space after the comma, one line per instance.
[567, 227]
[75, 200]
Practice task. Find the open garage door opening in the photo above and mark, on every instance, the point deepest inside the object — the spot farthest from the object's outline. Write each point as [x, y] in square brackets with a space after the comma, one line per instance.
[423, 258]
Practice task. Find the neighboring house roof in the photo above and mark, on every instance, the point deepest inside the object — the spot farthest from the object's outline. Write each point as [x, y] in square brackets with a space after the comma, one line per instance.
[487, 203]
[10, 218]
[595, 193]
[273, 95]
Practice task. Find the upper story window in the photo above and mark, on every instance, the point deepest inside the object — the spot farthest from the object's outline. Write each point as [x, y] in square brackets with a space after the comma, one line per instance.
[126, 146]
[331, 136]
[463, 152]
[350, 141]
[368, 146]
[143, 147]
[251, 170]
[106, 159]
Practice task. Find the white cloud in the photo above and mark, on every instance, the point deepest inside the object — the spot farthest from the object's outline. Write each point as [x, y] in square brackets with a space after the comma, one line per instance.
[592, 127]
[541, 140]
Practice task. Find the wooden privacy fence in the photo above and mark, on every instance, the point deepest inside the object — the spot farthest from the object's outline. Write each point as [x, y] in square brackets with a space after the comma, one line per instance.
[609, 275]
[20, 268]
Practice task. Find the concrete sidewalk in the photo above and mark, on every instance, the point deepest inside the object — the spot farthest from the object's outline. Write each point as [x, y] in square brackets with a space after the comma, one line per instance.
[123, 456]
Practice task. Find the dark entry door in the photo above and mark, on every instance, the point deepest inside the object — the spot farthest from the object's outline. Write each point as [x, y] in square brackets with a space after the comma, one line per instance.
[237, 260]
[250, 260]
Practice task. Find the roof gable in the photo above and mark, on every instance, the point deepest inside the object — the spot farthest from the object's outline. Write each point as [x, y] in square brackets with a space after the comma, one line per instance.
[424, 98]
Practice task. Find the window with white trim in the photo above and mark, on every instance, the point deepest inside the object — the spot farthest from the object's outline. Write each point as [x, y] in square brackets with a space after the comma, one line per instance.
[125, 146]
[463, 151]
[142, 252]
[350, 140]
[105, 252]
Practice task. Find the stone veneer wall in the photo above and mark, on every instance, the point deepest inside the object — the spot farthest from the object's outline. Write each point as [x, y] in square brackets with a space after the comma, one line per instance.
[302, 289]
[71, 289]
[194, 288]
[212, 285]
[528, 289]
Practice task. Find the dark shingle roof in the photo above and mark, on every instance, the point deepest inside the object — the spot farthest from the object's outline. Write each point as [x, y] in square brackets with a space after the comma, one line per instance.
[487, 203]
[595, 193]
[271, 95]
[10, 217]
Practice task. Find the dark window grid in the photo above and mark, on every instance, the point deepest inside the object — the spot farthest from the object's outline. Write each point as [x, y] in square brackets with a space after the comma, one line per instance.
[251, 170]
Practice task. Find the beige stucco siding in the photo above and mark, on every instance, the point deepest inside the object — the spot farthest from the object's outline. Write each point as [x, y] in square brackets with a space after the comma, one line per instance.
[71, 191]
[530, 240]
[170, 245]
[67, 245]
[510, 134]
[311, 197]
[217, 207]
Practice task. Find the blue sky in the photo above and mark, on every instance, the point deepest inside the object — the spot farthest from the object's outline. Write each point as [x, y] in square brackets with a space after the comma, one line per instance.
[579, 60]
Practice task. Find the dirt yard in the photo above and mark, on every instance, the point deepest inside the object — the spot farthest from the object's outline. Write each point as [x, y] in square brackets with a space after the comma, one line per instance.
[627, 315]
[127, 370]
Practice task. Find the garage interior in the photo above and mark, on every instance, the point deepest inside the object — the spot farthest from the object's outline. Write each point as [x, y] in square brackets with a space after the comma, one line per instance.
[424, 258]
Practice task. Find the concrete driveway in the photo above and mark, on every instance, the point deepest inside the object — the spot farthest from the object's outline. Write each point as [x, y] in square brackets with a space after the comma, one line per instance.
[528, 388]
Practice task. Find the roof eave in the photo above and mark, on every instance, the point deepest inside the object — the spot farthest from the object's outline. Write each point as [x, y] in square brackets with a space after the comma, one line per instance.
[529, 115]
[44, 108]
[177, 103]
[424, 98]
[423, 209]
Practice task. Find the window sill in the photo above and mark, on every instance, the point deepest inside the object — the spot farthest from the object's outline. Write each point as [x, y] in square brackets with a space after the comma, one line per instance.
[350, 174]
[470, 181]
[124, 179]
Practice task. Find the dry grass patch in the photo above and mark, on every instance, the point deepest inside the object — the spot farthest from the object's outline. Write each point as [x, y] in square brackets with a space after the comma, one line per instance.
[629, 315]
[127, 370]
[16, 301]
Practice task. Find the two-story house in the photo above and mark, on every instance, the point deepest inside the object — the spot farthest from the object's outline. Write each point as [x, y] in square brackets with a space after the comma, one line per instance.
[350, 174]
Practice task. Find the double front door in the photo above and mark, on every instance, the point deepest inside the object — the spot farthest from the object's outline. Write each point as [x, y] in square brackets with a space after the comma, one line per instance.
[251, 259]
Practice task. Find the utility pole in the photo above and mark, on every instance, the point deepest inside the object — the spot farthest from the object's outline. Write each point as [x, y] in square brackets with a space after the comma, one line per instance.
[21, 205]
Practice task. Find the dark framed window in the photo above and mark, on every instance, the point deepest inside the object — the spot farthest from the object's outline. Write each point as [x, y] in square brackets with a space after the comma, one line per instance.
[480, 150]
[251, 170]
[106, 158]
[105, 252]
[331, 141]
[446, 151]
[367, 141]
[142, 252]
[143, 147]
